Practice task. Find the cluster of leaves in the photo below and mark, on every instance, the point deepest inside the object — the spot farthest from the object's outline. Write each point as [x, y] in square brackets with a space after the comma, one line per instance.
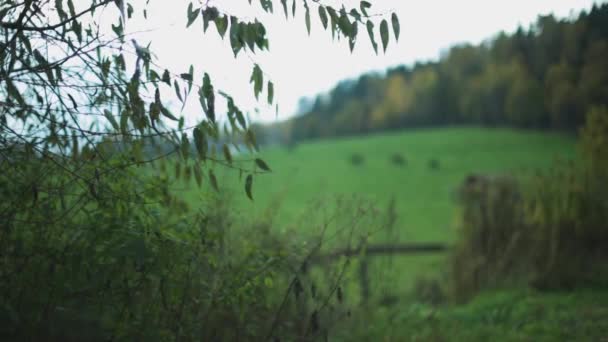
[68, 82]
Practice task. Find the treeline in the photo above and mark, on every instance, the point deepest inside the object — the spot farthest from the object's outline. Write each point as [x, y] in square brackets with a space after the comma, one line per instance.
[545, 77]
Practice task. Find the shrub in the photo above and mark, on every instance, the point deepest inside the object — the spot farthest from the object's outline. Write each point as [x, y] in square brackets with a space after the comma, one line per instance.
[551, 233]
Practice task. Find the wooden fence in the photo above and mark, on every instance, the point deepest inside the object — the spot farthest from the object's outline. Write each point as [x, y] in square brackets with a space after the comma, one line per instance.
[369, 251]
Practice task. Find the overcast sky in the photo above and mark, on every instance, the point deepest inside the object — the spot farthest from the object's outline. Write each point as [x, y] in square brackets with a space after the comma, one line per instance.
[300, 65]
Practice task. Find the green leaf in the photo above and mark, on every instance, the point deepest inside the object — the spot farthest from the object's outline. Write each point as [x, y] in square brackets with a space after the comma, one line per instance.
[213, 180]
[185, 146]
[323, 16]
[111, 118]
[13, 91]
[270, 90]
[198, 174]
[235, 35]
[166, 77]
[192, 14]
[208, 98]
[266, 5]
[384, 33]
[71, 8]
[190, 77]
[60, 11]
[370, 32]
[177, 91]
[227, 154]
[167, 113]
[334, 20]
[284, 3]
[364, 5]
[355, 14]
[200, 141]
[262, 164]
[344, 24]
[250, 139]
[293, 8]
[241, 119]
[124, 121]
[353, 37]
[307, 19]
[221, 23]
[396, 28]
[257, 78]
[248, 186]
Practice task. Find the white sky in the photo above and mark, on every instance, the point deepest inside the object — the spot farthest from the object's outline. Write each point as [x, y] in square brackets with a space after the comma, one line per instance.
[305, 66]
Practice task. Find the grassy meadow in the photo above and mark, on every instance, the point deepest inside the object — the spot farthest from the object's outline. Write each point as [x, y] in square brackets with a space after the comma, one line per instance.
[425, 199]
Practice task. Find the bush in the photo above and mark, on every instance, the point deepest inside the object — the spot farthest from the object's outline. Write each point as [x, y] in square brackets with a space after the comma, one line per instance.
[551, 233]
[491, 234]
[125, 259]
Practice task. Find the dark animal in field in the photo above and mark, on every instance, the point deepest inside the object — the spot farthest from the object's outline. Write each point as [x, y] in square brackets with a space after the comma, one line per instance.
[398, 160]
[434, 164]
[356, 159]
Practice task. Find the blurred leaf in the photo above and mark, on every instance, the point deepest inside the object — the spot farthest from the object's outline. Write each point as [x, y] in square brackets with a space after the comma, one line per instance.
[257, 78]
[167, 113]
[396, 28]
[270, 90]
[384, 33]
[166, 77]
[177, 91]
[284, 3]
[60, 10]
[227, 154]
[192, 14]
[111, 118]
[307, 19]
[370, 32]
[185, 146]
[71, 8]
[323, 16]
[248, 186]
[221, 23]
[198, 175]
[200, 141]
[364, 5]
[213, 180]
[262, 164]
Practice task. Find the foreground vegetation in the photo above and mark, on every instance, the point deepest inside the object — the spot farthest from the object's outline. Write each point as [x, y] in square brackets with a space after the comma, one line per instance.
[105, 237]
[514, 315]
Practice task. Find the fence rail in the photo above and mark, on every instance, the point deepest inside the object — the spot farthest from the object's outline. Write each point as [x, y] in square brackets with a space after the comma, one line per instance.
[376, 250]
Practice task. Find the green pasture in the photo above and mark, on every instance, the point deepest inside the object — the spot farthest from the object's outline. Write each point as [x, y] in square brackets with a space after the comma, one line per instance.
[425, 198]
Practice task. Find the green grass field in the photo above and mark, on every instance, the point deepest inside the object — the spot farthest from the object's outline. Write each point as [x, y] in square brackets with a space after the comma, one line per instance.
[425, 199]
[427, 212]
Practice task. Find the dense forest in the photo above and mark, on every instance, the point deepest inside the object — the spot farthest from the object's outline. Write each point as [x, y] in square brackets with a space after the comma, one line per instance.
[545, 77]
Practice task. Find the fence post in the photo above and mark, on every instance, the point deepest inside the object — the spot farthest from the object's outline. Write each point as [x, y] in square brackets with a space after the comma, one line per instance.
[364, 279]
